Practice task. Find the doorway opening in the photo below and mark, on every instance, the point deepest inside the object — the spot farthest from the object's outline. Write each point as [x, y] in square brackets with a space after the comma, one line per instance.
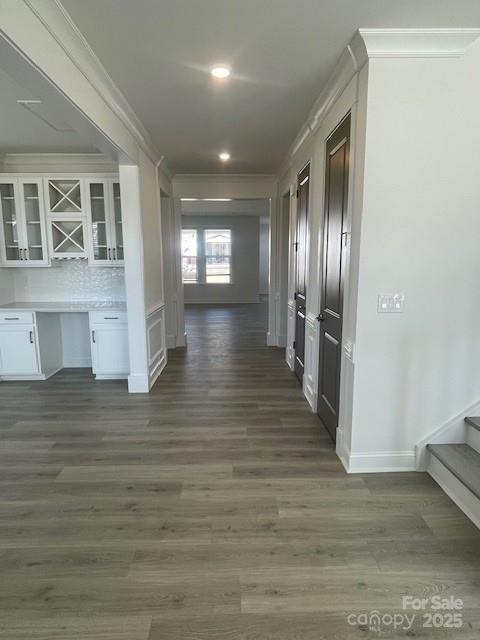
[225, 266]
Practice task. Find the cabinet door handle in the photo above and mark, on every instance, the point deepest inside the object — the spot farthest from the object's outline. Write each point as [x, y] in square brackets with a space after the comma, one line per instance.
[12, 318]
[20, 253]
[109, 253]
[110, 317]
[93, 337]
[31, 337]
[114, 253]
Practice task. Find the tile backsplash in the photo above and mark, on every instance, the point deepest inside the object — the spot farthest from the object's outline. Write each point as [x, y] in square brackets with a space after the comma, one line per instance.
[69, 280]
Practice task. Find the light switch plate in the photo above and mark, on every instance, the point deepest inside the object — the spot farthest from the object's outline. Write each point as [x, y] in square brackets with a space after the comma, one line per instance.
[391, 303]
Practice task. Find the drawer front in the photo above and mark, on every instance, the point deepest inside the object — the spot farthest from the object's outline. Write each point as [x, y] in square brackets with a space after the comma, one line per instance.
[17, 317]
[108, 317]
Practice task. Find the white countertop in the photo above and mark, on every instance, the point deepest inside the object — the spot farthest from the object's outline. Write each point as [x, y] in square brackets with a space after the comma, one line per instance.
[67, 306]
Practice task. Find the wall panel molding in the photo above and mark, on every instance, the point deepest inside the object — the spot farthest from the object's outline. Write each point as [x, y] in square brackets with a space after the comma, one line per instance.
[156, 347]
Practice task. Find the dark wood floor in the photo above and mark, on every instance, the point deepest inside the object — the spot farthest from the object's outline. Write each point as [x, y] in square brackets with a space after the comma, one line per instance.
[212, 509]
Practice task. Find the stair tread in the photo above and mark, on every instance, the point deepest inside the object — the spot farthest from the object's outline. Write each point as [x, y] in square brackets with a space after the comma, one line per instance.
[474, 422]
[462, 461]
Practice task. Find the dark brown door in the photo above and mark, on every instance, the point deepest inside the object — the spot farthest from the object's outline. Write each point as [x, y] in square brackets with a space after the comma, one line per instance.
[334, 235]
[301, 269]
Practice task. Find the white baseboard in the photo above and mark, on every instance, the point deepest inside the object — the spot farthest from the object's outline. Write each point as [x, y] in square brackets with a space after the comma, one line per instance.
[456, 490]
[28, 378]
[272, 339]
[77, 363]
[379, 461]
[341, 448]
[282, 340]
[138, 383]
[111, 376]
[222, 302]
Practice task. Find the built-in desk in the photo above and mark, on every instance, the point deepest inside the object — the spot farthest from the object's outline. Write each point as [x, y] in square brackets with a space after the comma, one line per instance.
[37, 339]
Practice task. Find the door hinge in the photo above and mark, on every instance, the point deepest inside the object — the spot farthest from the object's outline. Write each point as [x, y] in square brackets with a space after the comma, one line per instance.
[295, 244]
[294, 344]
[294, 296]
[298, 193]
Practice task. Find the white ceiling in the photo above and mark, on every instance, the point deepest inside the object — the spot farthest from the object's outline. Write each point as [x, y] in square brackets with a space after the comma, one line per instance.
[24, 132]
[282, 51]
[247, 207]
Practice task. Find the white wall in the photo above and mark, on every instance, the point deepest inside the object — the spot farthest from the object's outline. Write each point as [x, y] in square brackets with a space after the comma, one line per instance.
[264, 257]
[419, 237]
[245, 260]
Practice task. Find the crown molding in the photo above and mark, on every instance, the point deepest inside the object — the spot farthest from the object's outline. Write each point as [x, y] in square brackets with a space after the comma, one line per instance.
[54, 17]
[224, 177]
[417, 43]
[351, 61]
[378, 43]
[162, 167]
[42, 161]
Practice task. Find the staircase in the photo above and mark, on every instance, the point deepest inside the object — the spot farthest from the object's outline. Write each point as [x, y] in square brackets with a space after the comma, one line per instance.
[456, 468]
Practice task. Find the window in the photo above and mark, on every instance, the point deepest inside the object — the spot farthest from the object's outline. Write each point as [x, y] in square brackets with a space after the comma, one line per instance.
[189, 255]
[218, 255]
[207, 256]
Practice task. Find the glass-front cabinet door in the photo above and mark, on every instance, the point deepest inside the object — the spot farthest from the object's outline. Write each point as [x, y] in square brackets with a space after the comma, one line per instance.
[117, 230]
[104, 223]
[100, 249]
[23, 223]
[35, 249]
[12, 228]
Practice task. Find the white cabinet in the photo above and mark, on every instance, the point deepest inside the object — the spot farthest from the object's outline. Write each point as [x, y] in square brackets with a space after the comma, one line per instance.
[18, 348]
[66, 217]
[109, 342]
[23, 233]
[104, 223]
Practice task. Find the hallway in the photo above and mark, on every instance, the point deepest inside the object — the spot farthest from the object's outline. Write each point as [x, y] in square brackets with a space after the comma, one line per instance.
[214, 508]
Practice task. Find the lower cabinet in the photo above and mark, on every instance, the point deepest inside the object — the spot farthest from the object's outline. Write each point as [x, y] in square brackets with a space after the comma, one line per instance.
[18, 351]
[109, 343]
[31, 344]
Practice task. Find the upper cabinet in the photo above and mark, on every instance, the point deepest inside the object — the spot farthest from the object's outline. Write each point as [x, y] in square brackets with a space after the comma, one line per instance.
[104, 223]
[66, 218]
[60, 217]
[65, 197]
[23, 237]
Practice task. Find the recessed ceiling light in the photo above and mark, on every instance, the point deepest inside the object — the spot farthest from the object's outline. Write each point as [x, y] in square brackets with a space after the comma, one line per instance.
[224, 156]
[188, 199]
[218, 199]
[220, 71]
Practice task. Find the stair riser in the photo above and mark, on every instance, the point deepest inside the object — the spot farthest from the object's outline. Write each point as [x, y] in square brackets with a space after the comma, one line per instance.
[456, 490]
[473, 438]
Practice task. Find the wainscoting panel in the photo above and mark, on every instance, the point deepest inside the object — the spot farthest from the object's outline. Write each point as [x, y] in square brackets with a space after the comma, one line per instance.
[156, 342]
[310, 379]
[290, 353]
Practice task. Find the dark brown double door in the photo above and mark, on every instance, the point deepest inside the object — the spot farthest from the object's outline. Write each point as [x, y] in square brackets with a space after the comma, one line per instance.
[301, 269]
[332, 276]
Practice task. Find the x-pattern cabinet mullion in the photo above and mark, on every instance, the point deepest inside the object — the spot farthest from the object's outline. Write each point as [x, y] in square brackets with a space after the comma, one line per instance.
[66, 210]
